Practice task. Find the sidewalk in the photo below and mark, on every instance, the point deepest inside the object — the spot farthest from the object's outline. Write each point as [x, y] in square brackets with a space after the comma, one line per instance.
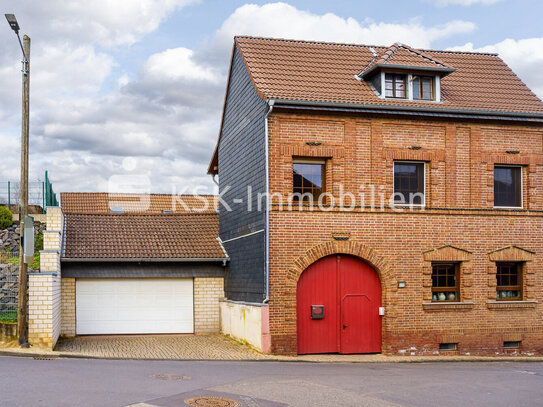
[212, 347]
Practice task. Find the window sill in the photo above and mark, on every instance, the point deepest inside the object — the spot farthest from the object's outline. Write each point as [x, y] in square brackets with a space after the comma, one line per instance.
[511, 305]
[447, 306]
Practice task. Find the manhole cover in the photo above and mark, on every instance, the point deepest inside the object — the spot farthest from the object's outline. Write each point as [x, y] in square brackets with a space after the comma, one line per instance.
[164, 376]
[211, 402]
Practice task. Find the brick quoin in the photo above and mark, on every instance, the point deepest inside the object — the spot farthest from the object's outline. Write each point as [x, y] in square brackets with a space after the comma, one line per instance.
[458, 223]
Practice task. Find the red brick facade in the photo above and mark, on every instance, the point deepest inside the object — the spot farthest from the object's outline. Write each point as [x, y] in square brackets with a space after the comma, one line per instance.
[458, 224]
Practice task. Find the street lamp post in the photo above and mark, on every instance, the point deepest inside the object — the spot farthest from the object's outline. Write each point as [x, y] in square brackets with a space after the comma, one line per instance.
[23, 210]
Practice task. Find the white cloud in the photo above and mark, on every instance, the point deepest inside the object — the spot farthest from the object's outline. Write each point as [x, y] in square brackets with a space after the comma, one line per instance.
[525, 57]
[443, 3]
[104, 22]
[178, 63]
[285, 21]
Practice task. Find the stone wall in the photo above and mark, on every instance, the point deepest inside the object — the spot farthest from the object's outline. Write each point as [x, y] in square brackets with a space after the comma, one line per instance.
[9, 237]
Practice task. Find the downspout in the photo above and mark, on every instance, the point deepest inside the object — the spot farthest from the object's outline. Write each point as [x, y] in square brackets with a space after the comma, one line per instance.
[270, 103]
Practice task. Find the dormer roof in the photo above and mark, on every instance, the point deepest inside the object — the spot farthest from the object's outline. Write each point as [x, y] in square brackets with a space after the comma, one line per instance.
[405, 58]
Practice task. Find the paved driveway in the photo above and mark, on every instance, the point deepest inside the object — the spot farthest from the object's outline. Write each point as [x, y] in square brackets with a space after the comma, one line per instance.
[216, 347]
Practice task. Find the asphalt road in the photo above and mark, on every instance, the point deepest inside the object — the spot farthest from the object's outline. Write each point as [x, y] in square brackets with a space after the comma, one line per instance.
[111, 383]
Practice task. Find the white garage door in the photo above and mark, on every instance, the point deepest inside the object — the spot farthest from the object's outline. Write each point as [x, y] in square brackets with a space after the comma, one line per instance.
[134, 306]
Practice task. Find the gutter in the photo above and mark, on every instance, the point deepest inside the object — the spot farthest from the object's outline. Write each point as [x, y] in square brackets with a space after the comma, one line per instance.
[147, 259]
[496, 115]
[270, 103]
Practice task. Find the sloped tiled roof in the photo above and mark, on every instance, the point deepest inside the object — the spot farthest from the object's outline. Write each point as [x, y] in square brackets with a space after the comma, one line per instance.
[101, 202]
[124, 236]
[402, 55]
[325, 72]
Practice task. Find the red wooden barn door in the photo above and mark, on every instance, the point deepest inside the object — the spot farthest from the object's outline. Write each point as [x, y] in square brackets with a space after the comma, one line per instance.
[360, 302]
[350, 292]
[318, 285]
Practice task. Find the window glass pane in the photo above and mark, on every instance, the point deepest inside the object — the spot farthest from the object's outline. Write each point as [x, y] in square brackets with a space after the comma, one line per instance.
[399, 84]
[427, 89]
[508, 281]
[416, 88]
[307, 179]
[507, 186]
[409, 182]
[444, 282]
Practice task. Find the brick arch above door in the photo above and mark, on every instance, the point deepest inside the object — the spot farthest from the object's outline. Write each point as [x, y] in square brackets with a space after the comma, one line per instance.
[350, 247]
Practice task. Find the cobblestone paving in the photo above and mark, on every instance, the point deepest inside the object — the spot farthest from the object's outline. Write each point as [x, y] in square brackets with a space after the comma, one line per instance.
[216, 347]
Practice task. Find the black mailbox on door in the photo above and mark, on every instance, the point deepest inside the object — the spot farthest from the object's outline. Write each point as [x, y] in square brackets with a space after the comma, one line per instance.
[317, 311]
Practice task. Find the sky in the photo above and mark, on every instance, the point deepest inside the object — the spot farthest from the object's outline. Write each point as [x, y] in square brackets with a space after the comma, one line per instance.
[133, 89]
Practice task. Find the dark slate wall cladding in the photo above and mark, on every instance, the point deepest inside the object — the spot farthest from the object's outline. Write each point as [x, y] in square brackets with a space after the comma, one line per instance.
[242, 164]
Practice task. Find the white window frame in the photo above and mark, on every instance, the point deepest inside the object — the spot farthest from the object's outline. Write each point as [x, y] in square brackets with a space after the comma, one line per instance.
[421, 205]
[521, 186]
[409, 88]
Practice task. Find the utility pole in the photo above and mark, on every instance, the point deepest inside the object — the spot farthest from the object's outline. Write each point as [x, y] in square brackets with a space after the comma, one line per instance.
[22, 309]
[23, 277]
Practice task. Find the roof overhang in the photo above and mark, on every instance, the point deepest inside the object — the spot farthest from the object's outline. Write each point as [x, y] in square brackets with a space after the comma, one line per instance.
[443, 71]
[146, 259]
[408, 110]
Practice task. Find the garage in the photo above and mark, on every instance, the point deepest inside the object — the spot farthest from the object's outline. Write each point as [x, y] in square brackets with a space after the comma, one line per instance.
[134, 306]
[160, 271]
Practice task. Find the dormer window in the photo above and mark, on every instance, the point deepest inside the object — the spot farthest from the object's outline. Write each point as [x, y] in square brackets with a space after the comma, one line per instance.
[423, 88]
[403, 73]
[395, 86]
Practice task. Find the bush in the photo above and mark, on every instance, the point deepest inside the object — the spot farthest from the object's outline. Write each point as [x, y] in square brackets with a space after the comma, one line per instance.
[6, 218]
[38, 242]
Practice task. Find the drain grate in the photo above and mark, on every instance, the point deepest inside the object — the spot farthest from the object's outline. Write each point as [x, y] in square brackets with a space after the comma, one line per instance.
[166, 376]
[44, 357]
[211, 402]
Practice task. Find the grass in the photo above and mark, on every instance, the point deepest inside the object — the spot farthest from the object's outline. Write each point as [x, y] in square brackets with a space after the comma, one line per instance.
[8, 316]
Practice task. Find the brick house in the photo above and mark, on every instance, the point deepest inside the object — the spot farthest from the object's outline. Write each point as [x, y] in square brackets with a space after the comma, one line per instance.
[416, 178]
[130, 264]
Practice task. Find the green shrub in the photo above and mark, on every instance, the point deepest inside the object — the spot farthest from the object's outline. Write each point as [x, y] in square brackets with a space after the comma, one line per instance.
[36, 264]
[38, 242]
[6, 218]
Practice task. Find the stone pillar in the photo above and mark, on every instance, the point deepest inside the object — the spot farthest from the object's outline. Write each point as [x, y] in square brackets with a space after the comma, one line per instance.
[44, 287]
[207, 293]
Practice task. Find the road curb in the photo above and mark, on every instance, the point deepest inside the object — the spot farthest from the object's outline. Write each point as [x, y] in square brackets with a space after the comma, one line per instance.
[60, 355]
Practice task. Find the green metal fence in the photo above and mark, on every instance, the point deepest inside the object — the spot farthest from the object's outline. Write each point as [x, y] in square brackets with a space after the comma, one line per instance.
[40, 193]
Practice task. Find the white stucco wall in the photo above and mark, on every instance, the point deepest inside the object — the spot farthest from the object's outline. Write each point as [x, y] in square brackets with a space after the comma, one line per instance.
[246, 322]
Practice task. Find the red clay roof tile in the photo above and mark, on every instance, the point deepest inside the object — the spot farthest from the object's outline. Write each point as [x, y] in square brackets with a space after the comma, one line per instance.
[325, 72]
[174, 236]
[101, 202]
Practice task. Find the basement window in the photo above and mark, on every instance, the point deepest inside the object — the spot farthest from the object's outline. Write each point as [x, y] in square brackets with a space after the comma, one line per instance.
[511, 345]
[448, 346]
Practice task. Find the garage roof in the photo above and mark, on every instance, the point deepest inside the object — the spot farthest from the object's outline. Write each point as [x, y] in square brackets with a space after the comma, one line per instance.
[149, 237]
[102, 202]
